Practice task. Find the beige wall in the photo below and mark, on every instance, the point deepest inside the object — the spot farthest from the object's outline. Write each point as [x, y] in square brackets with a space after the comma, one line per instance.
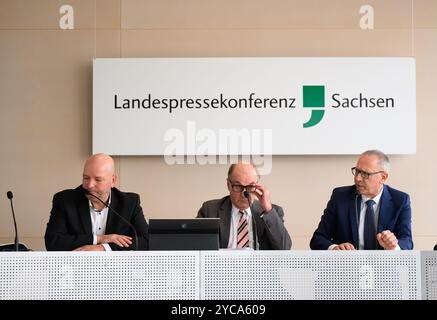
[46, 98]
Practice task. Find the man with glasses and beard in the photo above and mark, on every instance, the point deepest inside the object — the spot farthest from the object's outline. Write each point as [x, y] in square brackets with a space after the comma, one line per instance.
[369, 215]
[247, 217]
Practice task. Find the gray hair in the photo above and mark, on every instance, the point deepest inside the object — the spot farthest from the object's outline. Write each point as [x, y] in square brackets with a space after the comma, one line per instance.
[383, 160]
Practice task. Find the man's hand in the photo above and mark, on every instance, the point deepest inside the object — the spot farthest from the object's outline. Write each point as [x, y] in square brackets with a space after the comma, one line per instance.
[387, 240]
[91, 247]
[344, 246]
[263, 196]
[118, 239]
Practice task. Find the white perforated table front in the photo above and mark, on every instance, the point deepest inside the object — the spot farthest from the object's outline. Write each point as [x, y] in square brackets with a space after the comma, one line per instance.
[310, 275]
[207, 275]
[99, 275]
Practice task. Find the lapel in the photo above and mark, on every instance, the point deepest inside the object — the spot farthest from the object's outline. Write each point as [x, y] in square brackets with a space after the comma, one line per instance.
[385, 210]
[110, 227]
[225, 211]
[84, 213]
[354, 204]
[256, 210]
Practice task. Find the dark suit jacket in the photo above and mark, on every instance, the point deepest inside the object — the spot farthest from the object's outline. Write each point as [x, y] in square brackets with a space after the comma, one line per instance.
[70, 226]
[271, 232]
[339, 221]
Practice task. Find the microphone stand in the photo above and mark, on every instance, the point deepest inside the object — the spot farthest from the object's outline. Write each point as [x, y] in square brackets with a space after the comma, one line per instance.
[10, 196]
[16, 246]
[255, 232]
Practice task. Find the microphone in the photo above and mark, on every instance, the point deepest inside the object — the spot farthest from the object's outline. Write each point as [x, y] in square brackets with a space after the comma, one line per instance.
[435, 247]
[16, 246]
[247, 196]
[10, 195]
[86, 192]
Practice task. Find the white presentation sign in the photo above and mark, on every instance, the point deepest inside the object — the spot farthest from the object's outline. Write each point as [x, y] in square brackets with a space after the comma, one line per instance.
[221, 106]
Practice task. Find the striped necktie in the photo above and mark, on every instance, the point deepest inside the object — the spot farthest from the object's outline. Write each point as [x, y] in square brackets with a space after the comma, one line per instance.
[242, 232]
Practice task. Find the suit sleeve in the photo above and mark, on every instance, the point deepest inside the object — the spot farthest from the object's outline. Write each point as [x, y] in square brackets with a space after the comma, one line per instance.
[58, 236]
[136, 218]
[403, 226]
[322, 237]
[275, 229]
[202, 213]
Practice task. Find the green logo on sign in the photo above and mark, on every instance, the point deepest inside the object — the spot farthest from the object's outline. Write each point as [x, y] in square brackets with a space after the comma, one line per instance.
[314, 97]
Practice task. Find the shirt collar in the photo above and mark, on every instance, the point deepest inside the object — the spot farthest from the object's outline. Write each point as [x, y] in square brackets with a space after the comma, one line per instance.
[108, 204]
[236, 211]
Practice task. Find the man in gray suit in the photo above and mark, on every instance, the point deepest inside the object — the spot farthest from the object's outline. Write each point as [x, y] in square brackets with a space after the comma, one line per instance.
[247, 217]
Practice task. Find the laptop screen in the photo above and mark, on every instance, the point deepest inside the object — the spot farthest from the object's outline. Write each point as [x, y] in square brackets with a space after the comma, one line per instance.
[184, 234]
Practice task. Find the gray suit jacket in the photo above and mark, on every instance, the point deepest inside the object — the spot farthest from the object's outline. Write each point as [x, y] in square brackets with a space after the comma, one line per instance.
[271, 232]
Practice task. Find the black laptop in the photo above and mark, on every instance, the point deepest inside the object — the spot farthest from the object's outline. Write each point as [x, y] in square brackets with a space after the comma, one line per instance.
[184, 234]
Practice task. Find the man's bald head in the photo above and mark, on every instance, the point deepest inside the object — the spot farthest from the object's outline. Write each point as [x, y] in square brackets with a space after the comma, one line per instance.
[99, 177]
[102, 161]
[242, 168]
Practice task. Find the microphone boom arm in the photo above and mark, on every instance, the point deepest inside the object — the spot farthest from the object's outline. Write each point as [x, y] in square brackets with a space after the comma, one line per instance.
[255, 233]
[119, 215]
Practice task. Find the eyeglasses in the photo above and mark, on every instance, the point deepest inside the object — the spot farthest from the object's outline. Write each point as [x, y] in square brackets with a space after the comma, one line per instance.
[363, 174]
[241, 188]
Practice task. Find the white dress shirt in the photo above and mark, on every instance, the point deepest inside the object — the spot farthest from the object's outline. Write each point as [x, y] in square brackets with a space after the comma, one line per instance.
[98, 222]
[362, 217]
